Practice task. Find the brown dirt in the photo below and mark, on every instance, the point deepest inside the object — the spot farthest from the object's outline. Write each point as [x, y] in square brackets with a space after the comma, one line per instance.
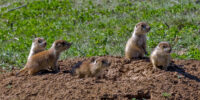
[122, 80]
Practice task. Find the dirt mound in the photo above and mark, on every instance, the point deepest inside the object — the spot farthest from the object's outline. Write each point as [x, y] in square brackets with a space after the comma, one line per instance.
[122, 80]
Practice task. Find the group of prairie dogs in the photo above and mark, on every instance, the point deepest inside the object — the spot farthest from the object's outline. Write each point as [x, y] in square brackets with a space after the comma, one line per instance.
[136, 47]
[41, 59]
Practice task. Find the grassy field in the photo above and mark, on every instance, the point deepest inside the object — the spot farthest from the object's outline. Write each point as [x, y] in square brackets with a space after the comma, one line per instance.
[96, 27]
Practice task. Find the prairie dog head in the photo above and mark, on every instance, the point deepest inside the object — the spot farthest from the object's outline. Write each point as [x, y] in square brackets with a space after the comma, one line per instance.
[102, 63]
[39, 43]
[164, 47]
[61, 45]
[141, 28]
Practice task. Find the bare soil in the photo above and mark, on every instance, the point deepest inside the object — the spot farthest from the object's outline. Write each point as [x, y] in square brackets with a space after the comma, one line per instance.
[121, 81]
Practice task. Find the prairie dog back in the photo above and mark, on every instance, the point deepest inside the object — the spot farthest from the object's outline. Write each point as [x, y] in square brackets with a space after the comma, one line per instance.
[91, 69]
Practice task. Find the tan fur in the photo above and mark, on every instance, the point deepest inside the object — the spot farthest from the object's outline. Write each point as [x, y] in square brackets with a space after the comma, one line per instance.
[38, 45]
[45, 59]
[161, 55]
[136, 45]
[92, 69]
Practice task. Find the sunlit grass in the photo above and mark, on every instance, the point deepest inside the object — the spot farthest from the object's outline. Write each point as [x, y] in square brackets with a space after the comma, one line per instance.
[97, 27]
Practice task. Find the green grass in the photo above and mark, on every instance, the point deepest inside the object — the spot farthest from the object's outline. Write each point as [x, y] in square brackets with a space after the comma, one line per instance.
[166, 95]
[97, 27]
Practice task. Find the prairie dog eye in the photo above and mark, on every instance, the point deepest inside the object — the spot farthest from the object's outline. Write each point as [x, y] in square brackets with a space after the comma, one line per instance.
[164, 46]
[39, 41]
[143, 26]
[63, 43]
[103, 61]
[58, 44]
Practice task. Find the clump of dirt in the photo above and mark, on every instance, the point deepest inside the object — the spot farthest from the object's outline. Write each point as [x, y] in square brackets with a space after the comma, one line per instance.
[122, 80]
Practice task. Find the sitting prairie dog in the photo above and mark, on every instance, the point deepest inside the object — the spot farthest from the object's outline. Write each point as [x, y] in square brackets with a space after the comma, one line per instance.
[136, 45]
[161, 55]
[38, 45]
[90, 68]
[45, 59]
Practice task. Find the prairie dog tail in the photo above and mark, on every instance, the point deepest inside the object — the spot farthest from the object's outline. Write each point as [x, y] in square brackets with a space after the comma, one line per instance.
[22, 70]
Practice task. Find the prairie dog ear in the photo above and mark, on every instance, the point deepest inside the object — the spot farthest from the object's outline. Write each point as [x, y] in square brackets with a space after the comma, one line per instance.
[160, 45]
[136, 25]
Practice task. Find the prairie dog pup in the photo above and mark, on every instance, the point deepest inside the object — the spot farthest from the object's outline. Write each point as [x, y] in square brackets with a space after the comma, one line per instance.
[45, 59]
[136, 45]
[38, 45]
[91, 69]
[161, 55]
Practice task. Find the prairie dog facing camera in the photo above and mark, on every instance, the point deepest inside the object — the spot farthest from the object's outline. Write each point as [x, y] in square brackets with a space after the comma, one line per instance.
[136, 45]
[38, 45]
[90, 68]
[45, 59]
[161, 55]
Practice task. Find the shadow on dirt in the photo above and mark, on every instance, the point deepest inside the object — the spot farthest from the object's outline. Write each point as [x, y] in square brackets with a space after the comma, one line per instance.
[178, 68]
[141, 95]
[42, 72]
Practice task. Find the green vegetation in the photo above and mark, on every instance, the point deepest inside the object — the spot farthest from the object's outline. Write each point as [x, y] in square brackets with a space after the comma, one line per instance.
[166, 95]
[133, 98]
[9, 86]
[96, 27]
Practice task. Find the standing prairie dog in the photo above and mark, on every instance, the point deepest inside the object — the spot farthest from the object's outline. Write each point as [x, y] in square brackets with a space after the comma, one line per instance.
[161, 55]
[136, 45]
[90, 69]
[38, 45]
[45, 59]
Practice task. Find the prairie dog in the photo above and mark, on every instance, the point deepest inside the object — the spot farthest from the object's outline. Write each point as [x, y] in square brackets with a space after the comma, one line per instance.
[45, 59]
[90, 69]
[136, 45]
[38, 45]
[161, 55]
